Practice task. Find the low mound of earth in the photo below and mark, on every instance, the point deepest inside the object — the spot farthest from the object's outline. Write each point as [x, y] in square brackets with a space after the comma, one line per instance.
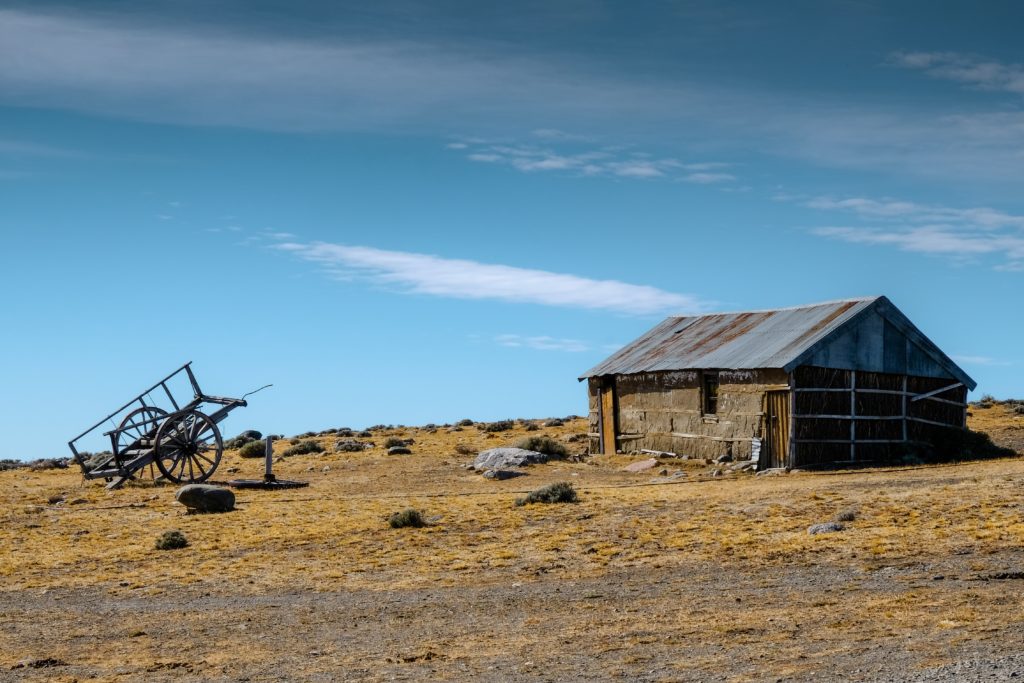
[649, 577]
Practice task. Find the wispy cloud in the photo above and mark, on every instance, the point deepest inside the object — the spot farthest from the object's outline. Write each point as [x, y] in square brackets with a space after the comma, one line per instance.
[592, 161]
[979, 360]
[972, 70]
[956, 233]
[541, 343]
[414, 273]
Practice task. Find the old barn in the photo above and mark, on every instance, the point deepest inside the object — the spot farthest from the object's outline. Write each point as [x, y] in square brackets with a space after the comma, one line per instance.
[835, 382]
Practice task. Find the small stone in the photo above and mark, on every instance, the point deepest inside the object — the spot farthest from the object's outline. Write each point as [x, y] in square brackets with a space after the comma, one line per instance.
[399, 450]
[826, 528]
[501, 475]
[641, 465]
[206, 498]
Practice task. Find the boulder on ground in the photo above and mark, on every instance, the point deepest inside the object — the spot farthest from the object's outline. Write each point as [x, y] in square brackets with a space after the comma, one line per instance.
[641, 465]
[502, 458]
[206, 498]
[399, 450]
[826, 528]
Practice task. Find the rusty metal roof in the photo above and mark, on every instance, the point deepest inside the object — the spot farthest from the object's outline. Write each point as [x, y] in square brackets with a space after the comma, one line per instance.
[734, 341]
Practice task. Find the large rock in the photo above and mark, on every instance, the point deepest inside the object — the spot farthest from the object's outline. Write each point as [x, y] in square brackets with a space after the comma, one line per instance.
[641, 465]
[206, 498]
[501, 458]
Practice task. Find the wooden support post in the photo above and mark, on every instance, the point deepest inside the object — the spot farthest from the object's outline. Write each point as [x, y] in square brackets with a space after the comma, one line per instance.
[853, 415]
[268, 474]
[904, 408]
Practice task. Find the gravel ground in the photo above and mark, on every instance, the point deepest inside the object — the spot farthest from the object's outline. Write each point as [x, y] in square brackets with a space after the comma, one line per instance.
[704, 625]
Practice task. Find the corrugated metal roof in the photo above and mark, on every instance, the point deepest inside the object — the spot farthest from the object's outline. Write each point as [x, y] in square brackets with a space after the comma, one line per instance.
[732, 341]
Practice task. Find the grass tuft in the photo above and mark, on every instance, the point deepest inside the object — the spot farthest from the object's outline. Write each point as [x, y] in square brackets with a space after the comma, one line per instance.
[407, 518]
[253, 449]
[304, 448]
[171, 540]
[559, 492]
[543, 444]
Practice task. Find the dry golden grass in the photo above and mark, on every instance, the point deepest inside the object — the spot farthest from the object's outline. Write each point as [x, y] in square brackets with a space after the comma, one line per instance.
[916, 522]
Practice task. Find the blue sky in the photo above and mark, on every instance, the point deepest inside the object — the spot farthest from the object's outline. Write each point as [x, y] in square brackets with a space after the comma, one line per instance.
[421, 212]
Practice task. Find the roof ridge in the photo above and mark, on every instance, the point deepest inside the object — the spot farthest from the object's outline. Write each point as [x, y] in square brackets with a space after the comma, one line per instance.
[784, 308]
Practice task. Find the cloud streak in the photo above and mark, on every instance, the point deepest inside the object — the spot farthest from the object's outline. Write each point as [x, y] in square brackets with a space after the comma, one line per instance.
[605, 161]
[959, 234]
[971, 70]
[413, 273]
[541, 343]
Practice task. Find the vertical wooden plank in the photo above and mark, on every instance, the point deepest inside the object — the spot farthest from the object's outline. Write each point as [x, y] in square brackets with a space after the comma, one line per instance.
[608, 417]
[853, 414]
[904, 408]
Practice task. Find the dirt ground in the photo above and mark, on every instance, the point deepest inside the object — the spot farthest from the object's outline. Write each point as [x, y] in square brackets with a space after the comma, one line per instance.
[652, 576]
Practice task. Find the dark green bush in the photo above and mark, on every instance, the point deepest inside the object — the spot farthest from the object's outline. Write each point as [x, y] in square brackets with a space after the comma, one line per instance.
[499, 426]
[559, 492]
[304, 448]
[543, 444]
[464, 423]
[253, 449]
[407, 517]
[171, 540]
[394, 441]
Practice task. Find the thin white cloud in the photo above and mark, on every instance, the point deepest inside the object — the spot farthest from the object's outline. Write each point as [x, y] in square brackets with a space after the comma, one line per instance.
[464, 279]
[979, 360]
[972, 70]
[709, 178]
[930, 240]
[541, 343]
[961, 234]
[602, 161]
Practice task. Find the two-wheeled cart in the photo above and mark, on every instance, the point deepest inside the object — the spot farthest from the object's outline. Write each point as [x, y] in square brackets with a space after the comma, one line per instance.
[182, 441]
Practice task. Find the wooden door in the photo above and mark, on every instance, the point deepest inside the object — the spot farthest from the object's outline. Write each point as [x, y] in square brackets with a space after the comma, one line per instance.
[777, 428]
[608, 416]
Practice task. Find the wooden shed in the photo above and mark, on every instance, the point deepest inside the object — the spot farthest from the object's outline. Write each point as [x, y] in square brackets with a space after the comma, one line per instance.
[848, 381]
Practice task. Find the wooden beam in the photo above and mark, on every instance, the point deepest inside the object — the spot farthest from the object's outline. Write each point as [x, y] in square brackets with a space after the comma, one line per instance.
[920, 397]
[932, 422]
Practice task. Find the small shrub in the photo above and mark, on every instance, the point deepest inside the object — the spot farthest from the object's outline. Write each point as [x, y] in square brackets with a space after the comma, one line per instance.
[553, 422]
[345, 432]
[396, 442]
[464, 423]
[253, 449]
[304, 448]
[1019, 409]
[408, 517]
[171, 540]
[293, 441]
[351, 446]
[531, 426]
[543, 444]
[499, 426]
[463, 449]
[366, 433]
[559, 492]
[846, 516]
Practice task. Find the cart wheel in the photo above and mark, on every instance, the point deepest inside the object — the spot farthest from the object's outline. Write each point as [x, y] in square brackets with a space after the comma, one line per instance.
[138, 424]
[188, 447]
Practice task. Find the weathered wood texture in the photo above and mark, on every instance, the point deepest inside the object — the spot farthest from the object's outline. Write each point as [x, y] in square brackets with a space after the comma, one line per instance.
[662, 411]
[842, 416]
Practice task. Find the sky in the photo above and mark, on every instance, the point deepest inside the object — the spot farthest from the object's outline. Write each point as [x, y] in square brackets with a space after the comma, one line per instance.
[405, 212]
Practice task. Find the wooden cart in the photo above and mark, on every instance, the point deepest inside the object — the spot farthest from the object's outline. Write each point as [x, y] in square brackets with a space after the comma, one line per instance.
[157, 428]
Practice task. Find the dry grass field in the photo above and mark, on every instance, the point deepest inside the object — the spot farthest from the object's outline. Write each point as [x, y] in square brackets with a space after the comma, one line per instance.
[647, 577]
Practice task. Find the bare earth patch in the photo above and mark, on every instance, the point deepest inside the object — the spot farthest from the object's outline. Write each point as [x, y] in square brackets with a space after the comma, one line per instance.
[646, 578]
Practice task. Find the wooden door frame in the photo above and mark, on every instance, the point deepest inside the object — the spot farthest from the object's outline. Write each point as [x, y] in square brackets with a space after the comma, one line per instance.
[607, 386]
[782, 458]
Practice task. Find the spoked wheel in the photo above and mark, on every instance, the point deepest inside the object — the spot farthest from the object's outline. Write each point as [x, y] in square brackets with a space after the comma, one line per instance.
[138, 430]
[188, 447]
